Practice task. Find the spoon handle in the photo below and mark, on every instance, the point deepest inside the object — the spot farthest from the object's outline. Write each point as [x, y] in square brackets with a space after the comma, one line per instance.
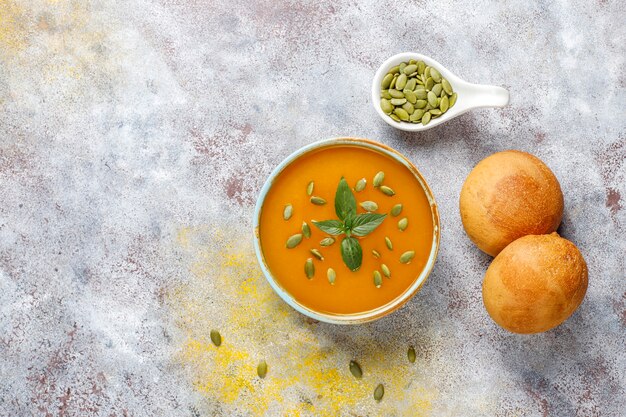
[487, 96]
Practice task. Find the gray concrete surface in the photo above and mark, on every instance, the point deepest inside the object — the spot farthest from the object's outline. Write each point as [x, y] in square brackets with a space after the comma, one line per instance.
[135, 135]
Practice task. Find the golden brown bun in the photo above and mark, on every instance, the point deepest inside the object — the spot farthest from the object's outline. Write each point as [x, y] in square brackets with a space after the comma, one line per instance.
[508, 195]
[535, 283]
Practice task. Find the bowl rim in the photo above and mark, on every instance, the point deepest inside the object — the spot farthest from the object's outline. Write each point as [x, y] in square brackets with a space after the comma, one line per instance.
[395, 60]
[366, 316]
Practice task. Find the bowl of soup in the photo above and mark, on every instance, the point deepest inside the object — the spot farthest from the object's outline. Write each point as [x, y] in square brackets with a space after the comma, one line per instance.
[346, 230]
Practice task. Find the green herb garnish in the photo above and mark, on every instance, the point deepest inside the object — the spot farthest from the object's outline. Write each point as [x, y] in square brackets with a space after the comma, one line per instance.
[350, 224]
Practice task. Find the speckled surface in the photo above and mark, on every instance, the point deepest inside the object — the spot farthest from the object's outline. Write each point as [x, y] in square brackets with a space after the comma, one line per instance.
[135, 136]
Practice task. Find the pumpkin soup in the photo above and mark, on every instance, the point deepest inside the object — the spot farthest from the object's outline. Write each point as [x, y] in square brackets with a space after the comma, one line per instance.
[345, 229]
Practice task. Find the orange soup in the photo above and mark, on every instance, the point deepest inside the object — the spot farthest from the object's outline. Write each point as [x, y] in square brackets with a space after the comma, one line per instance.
[352, 291]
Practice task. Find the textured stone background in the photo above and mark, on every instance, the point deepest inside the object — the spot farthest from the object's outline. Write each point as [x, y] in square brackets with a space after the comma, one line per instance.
[135, 135]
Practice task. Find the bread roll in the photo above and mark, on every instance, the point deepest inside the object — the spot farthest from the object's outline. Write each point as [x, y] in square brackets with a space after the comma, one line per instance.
[535, 283]
[508, 195]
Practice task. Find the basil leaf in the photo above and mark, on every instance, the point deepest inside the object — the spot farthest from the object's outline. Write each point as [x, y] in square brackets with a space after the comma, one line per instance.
[365, 223]
[332, 227]
[345, 203]
[351, 253]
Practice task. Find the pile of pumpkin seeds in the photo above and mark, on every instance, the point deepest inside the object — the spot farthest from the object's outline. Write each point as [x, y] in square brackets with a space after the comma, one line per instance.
[414, 92]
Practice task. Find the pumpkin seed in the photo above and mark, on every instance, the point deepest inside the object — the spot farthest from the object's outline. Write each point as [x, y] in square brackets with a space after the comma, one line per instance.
[408, 107]
[385, 94]
[426, 118]
[309, 268]
[388, 243]
[409, 69]
[435, 112]
[435, 75]
[407, 257]
[386, 106]
[410, 96]
[396, 210]
[216, 338]
[386, 271]
[379, 178]
[394, 70]
[378, 279]
[387, 190]
[394, 117]
[306, 230]
[446, 86]
[327, 241]
[403, 224]
[318, 201]
[355, 369]
[410, 85]
[411, 354]
[401, 81]
[402, 66]
[317, 254]
[379, 392]
[395, 93]
[369, 206]
[420, 104]
[444, 104]
[287, 212]
[437, 89]
[309, 188]
[393, 82]
[417, 115]
[429, 84]
[261, 369]
[360, 185]
[375, 253]
[427, 71]
[420, 66]
[397, 101]
[452, 100]
[386, 81]
[294, 241]
[332, 275]
[421, 95]
[432, 99]
[401, 113]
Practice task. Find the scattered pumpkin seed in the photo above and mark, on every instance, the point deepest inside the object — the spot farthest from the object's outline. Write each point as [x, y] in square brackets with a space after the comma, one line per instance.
[386, 81]
[360, 185]
[332, 275]
[327, 241]
[309, 188]
[379, 392]
[317, 254]
[261, 369]
[396, 210]
[379, 178]
[375, 253]
[378, 279]
[306, 230]
[387, 190]
[355, 369]
[369, 206]
[386, 271]
[318, 201]
[403, 223]
[294, 240]
[411, 354]
[216, 338]
[388, 243]
[309, 268]
[407, 256]
[287, 212]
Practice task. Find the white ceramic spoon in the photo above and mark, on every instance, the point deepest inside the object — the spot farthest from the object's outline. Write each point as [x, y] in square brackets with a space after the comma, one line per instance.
[469, 96]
